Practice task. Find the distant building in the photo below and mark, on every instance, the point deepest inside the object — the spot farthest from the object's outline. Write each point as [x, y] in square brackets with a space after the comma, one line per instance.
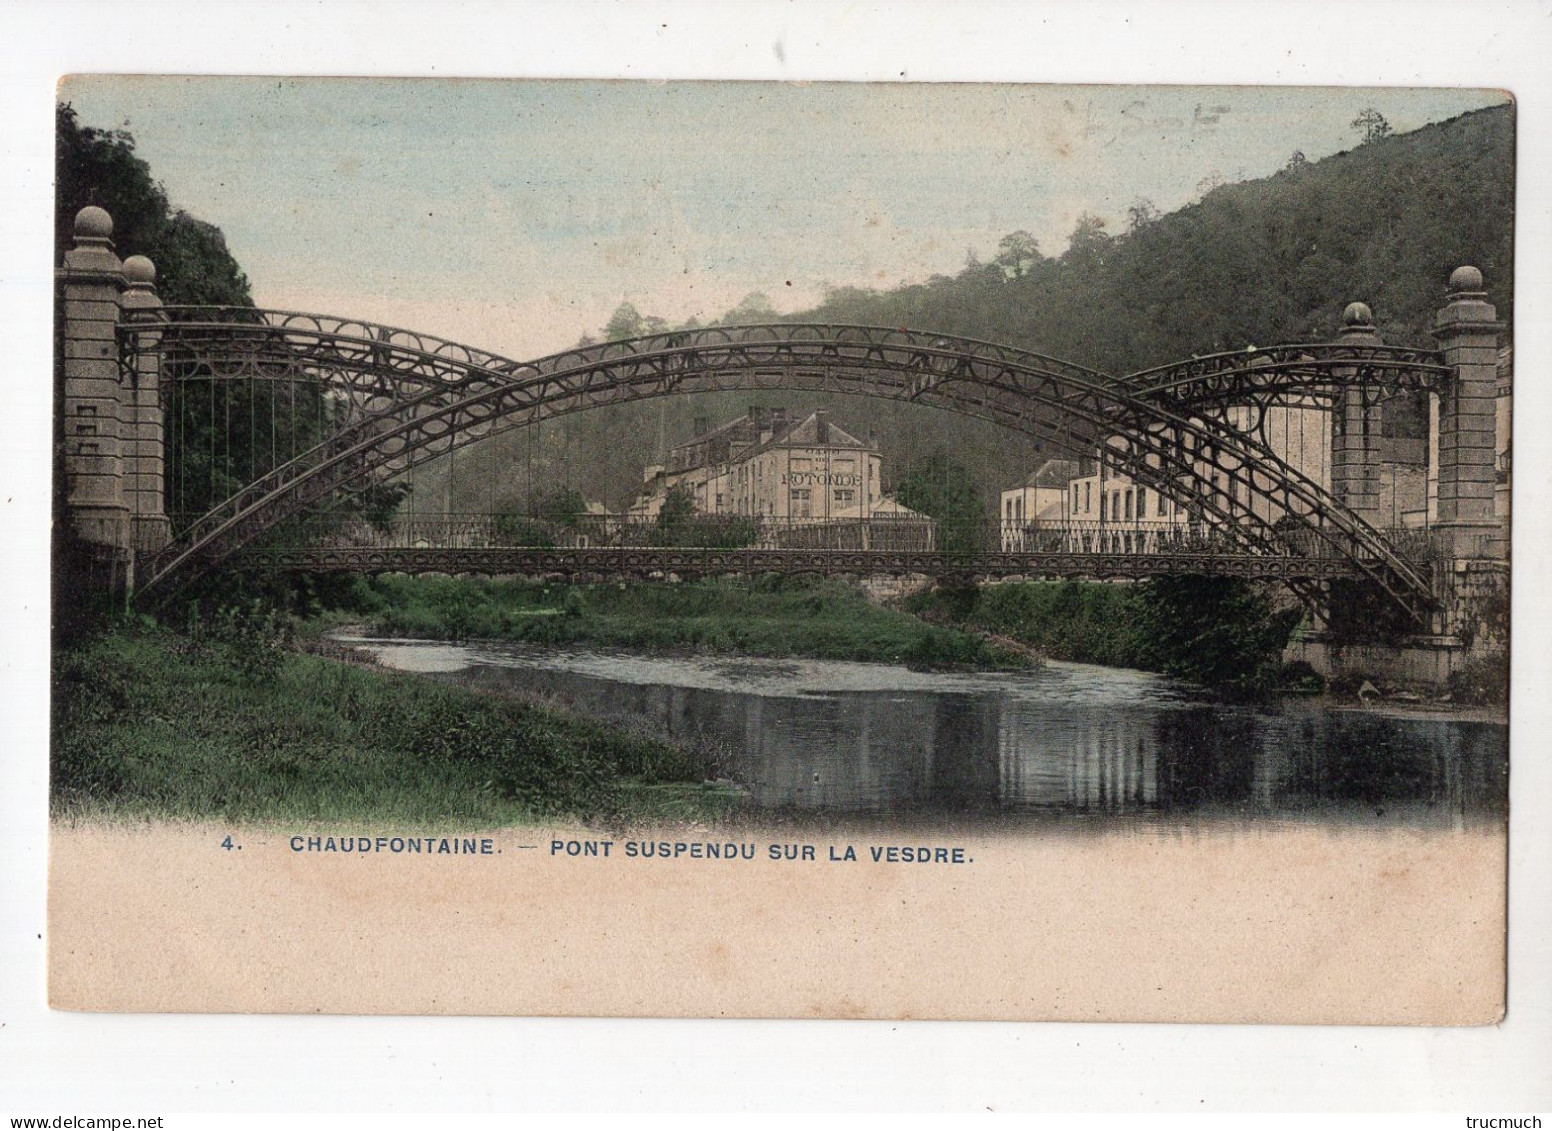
[768, 464]
[1040, 498]
[1300, 436]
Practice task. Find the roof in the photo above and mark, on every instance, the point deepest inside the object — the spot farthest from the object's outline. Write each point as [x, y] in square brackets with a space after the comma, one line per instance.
[1053, 473]
[890, 508]
[733, 429]
[813, 431]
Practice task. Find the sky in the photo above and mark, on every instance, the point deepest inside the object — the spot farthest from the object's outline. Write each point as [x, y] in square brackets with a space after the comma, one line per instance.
[516, 216]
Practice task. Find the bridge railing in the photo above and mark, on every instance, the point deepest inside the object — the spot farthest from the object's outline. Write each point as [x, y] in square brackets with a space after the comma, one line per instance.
[889, 534]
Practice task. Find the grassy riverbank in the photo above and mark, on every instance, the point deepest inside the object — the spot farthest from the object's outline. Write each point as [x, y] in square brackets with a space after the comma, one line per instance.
[230, 724]
[776, 617]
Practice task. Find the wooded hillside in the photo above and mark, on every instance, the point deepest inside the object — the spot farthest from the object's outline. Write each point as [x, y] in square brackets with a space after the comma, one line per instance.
[1255, 262]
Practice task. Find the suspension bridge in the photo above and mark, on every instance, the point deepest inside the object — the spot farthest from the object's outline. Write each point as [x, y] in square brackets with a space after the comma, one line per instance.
[191, 438]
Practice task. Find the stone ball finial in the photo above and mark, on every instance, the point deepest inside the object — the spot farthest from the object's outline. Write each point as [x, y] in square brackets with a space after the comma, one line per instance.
[140, 270]
[93, 223]
[1466, 280]
[1358, 314]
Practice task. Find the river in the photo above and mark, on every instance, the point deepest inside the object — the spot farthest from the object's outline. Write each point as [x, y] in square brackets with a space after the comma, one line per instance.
[1068, 740]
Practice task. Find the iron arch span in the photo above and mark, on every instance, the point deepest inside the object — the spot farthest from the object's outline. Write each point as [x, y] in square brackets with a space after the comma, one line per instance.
[402, 398]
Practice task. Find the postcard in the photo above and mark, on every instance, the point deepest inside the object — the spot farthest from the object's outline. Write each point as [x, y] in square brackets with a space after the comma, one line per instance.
[745, 549]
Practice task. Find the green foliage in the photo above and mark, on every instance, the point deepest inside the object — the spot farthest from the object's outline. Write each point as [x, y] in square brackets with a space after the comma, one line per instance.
[1017, 253]
[1482, 681]
[679, 523]
[1069, 620]
[252, 638]
[148, 722]
[1371, 125]
[678, 509]
[520, 530]
[101, 167]
[944, 490]
[1358, 611]
[563, 507]
[1220, 632]
[774, 616]
[1217, 631]
[379, 503]
[1255, 262]
[624, 323]
[753, 310]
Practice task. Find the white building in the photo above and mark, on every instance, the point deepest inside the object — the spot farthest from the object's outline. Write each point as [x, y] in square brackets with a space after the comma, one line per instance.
[1100, 496]
[768, 464]
[1040, 498]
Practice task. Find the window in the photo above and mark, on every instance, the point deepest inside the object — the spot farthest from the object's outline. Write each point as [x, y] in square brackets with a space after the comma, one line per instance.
[1128, 502]
[800, 502]
[844, 496]
[1088, 497]
[1009, 511]
[1104, 506]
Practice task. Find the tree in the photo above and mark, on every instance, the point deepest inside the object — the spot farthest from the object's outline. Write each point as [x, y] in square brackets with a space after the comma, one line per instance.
[676, 514]
[1220, 631]
[1296, 162]
[1371, 124]
[562, 506]
[625, 322]
[220, 434]
[92, 166]
[945, 491]
[1089, 242]
[754, 309]
[1017, 253]
[1139, 214]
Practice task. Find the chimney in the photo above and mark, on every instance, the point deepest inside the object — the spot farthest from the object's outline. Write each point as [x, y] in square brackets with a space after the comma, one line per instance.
[822, 425]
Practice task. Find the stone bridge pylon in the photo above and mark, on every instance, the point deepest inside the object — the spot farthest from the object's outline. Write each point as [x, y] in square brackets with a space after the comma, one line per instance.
[109, 437]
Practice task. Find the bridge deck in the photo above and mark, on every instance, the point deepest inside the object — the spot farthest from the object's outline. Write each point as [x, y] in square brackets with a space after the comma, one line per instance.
[614, 561]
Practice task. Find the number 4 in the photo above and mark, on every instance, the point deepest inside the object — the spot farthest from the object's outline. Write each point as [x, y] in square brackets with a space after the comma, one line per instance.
[227, 843]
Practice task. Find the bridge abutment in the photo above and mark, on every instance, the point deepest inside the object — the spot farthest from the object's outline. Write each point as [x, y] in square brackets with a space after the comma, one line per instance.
[1356, 427]
[110, 444]
[1467, 330]
[1468, 544]
[141, 413]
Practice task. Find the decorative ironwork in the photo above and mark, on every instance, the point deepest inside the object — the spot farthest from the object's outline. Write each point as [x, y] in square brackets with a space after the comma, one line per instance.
[1309, 373]
[612, 546]
[687, 562]
[407, 398]
[731, 531]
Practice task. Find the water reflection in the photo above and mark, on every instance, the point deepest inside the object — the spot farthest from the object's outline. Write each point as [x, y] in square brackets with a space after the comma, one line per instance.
[1067, 740]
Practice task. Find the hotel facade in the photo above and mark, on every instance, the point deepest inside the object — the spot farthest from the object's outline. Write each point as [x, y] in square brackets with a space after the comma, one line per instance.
[768, 464]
